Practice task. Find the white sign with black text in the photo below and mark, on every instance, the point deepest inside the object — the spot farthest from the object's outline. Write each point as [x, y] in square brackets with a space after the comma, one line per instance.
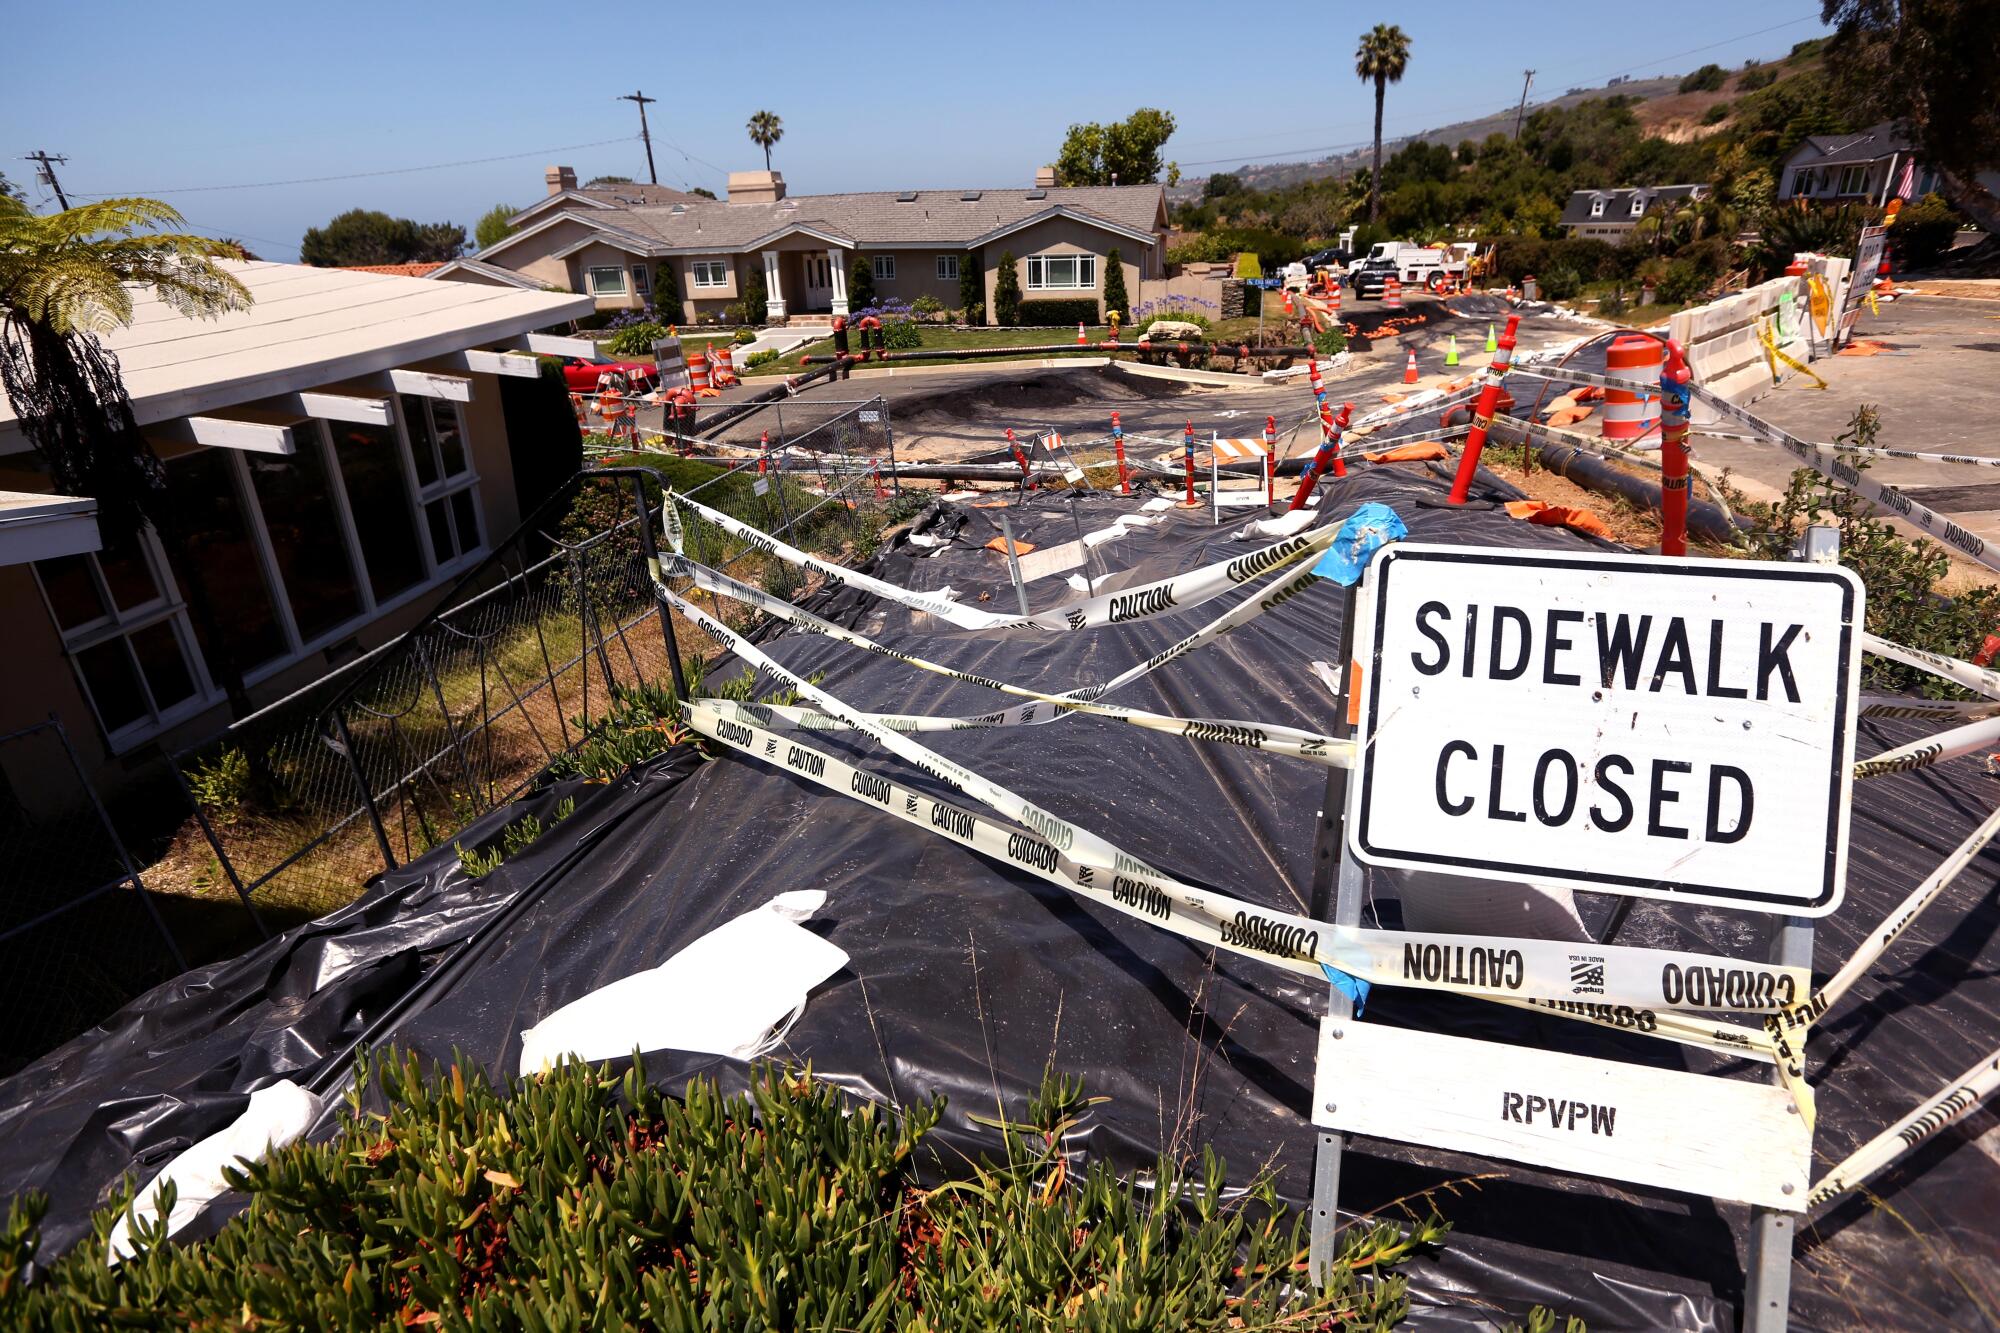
[1664, 728]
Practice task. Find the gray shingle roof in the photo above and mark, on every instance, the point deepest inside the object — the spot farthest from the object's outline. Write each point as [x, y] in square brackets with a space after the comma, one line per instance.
[1837, 150]
[1618, 203]
[632, 192]
[943, 218]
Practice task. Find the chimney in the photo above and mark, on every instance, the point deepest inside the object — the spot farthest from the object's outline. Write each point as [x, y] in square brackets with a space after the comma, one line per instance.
[756, 187]
[1045, 178]
[560, 179]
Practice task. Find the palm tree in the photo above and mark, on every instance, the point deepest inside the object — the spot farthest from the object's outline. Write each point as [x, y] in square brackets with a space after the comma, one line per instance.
[765, 130]
[1383, 55]
[64, 279]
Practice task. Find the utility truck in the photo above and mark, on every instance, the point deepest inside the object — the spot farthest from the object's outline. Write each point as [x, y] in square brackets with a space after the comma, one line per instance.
[1413, 265]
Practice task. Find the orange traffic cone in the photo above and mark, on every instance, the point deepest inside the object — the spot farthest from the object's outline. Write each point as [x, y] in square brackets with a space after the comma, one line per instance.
[1081, 341]
[1410, 368]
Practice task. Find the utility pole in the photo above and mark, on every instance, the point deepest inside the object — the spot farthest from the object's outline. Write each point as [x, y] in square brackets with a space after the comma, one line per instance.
[644, 133]
[48, 174]
[1526, 83]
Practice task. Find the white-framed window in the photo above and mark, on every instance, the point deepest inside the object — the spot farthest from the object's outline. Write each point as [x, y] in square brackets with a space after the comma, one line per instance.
[294, 551]
[709, 273]
[1597, 208]
[1853, 180]
[125, 630]
[885, 268]
[641, 284]
[447, 487]
[1638, 205]
[1802, 182]
[947, 268]
[606, 281]
[1062, 272]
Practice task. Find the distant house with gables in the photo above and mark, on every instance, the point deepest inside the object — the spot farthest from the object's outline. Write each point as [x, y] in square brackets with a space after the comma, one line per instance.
[1610, 215]
[610, 242]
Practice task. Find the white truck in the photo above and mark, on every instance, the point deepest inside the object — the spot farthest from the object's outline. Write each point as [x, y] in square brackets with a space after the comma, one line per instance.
[1415, 266]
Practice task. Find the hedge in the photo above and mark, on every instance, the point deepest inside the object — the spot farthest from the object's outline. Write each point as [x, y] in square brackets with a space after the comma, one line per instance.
[1063, 310]
[581, 1199]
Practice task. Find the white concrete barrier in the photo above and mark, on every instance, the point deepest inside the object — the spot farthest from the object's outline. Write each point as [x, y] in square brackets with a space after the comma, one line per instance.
[1724, 349]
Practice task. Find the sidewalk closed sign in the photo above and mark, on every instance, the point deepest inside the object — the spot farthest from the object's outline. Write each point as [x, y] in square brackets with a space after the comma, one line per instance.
[1662, 728]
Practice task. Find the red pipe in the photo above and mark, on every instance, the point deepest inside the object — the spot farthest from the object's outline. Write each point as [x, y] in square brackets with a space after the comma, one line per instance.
[1187, 457]
[1674, 451]
[1118, 443]
[1482, 414]
[1328, 451]
[1019, 457]
[1270, 461]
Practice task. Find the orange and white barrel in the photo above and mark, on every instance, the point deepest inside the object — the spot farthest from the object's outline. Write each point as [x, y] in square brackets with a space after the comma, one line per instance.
[725, 367]
[698, 372]
[1392, 292]
[1333, 295]
[1630, 413]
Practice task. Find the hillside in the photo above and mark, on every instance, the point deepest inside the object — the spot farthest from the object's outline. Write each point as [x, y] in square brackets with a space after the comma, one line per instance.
[1665, 111]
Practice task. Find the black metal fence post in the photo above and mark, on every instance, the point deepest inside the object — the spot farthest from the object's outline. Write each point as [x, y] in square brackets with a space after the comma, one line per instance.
[215, 843]
[361, 784]
[118, 844]
[650, 548]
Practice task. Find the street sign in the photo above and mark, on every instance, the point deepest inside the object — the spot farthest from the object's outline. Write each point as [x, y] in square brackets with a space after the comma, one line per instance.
[1721, 1137]
[1867, 261]
[1659, 728]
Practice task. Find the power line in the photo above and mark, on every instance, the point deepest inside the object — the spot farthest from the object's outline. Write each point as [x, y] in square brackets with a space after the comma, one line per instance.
[362, 175]
[48, 173]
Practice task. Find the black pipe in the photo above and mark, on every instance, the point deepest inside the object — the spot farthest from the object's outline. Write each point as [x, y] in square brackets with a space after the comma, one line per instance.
[743, 407]
[1705, 519]
[1237, 351]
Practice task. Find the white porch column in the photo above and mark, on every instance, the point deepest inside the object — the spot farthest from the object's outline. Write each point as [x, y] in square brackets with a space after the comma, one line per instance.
[774, 290]
[833, 260]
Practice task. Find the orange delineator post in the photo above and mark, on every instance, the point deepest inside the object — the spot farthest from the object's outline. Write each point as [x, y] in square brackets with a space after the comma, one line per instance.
[764, 453]
[1019, 457]
[1187, 457]
[1675, 456]
[1482, 413]
[1118, 443]
[1270, 461]
[1328, 451]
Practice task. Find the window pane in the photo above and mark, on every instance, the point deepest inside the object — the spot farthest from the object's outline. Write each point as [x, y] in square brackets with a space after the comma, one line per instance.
[443, 549]
[466, 520]
[1061, 272]
[417, 420]
[114, 685]
[72, 592]
[159, 652]
[306, 537]
[640, 283]
[126, 573]
[219, 551]
[1086, 270]
[444, 429]
[371, 466]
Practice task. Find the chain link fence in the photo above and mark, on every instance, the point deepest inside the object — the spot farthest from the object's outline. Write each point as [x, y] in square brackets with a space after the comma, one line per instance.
[289, 811]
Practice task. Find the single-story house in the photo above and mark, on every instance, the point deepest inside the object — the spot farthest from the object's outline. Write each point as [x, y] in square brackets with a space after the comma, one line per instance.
[1871, 167]
[336, 455]
[610, 243]
[1610, 215]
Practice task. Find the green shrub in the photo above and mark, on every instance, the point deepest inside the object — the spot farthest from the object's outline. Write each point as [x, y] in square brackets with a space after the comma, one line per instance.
[1560, 283]
[667, 293]
[1923, 232]
[971, 286]
[861, 283]
[222, 786]
[1614, 304]
[1331, 341]
[580, 1198]
[635, 339]
[1901, 575]
[901, 334]
[927, 306]
[1177, 316]
[763, 358]
[756, 298]
[1684, 281]
[744, 336]
[1007, 291]
[1716, 114]
[1753, 79]
[1115, 297]
[1057, 310]
[642, 722]
[1707, 79]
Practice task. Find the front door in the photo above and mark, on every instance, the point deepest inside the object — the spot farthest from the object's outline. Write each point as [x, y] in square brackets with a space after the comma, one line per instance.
[819, 283]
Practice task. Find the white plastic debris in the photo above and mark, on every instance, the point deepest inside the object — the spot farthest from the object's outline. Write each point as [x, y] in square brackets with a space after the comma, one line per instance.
[277, 1115]
[1291, 522]
[732, 992]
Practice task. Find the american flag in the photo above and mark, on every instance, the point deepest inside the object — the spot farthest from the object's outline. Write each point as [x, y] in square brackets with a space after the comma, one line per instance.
[1908, 189]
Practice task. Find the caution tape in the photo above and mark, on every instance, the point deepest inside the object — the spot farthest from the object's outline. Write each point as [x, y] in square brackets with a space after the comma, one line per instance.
[1789, 1027]
[1960, 740]
[1972, 676]
[1143, 602]
[1951, 1103]
[1876, 705]
[1271, 738]
[1825, 460]
[1644, 983]
[1778, 354]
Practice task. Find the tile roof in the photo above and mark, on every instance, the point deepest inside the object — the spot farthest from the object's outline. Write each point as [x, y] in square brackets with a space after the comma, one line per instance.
[393, 270]
[630, 193]
[1618, 203]
[943, 218]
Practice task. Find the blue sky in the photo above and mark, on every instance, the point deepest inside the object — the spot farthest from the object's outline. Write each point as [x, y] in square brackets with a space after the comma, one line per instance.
[881, 96]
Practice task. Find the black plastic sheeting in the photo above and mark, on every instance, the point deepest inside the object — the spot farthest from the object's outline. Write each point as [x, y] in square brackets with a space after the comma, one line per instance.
[969, 978]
